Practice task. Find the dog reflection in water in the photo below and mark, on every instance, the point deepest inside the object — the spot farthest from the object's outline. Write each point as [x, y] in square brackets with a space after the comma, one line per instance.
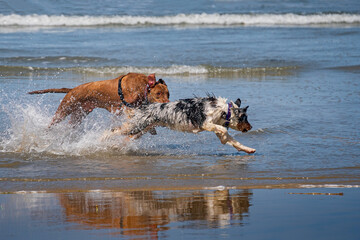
[189, 115]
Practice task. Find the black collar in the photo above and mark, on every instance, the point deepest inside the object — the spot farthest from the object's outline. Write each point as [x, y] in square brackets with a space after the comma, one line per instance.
[121, 94]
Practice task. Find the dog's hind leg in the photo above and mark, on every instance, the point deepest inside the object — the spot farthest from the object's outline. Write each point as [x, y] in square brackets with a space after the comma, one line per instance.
[80, 111]
[77, 116]
[59, 116]
[225, 138]
[135, 131]
[65, 108]
[130, 113]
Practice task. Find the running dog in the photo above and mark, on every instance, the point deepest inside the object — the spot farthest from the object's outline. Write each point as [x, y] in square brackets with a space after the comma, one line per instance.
[130, 90]
[189, 115]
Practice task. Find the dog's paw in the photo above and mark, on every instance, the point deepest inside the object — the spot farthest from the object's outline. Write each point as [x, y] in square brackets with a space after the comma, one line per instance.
[245, 149]
[250, 150]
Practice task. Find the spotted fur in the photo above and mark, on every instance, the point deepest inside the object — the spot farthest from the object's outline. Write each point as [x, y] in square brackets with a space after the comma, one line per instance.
[190, 115]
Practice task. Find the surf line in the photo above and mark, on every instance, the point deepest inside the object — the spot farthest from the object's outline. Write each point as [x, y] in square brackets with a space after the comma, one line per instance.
[319, 193]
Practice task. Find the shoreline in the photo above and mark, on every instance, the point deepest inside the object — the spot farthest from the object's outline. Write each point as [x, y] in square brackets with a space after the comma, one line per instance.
[188, 188]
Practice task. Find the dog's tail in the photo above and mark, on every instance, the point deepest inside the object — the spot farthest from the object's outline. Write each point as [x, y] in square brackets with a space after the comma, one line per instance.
[51, 90]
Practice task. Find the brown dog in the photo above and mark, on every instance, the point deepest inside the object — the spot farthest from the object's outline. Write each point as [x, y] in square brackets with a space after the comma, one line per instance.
[131, 90]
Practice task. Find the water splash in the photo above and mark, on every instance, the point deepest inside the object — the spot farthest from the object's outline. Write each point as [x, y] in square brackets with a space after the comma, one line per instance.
[27, 132]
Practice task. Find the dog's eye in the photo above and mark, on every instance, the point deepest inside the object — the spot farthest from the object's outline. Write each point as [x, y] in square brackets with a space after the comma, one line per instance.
[242, 117]
[158, 94]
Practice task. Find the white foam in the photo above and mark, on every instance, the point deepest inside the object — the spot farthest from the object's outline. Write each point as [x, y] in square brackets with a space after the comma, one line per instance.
[187, 70]
[203, 19]
[171, 70]
[328, 186]
[30, 192]
[29, 133]
[220, 188]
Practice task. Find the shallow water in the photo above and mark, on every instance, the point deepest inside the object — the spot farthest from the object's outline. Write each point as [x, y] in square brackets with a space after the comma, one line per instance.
[296, 64]
[303, 130]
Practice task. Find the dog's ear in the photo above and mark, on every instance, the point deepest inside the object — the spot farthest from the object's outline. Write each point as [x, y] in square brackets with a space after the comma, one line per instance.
[151, 80]
[238, 102]
[245, 108]
[162, 82]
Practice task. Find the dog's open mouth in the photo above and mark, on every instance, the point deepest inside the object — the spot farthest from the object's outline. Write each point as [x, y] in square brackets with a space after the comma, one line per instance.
[244, 127]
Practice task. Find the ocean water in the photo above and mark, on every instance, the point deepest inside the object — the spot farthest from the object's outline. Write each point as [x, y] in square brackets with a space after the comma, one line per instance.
[295, 63]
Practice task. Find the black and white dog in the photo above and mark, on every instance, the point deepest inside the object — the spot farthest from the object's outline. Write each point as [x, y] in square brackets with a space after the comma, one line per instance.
[190, 115]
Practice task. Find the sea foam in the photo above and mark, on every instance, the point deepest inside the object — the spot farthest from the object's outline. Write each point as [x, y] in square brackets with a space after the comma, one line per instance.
[203, 19]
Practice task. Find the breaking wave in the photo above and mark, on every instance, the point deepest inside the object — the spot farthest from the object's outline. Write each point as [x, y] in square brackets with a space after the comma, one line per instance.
[173, 70]
[203, 19]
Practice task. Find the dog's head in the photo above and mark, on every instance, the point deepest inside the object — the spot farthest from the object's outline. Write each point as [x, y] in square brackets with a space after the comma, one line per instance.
[158, 90]
[238, 120]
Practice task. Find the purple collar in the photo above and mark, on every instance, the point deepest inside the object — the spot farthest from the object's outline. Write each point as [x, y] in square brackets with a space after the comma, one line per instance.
[228, 116]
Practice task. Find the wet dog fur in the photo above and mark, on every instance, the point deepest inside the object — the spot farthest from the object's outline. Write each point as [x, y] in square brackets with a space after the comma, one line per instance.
[189, 115]
[81, 100]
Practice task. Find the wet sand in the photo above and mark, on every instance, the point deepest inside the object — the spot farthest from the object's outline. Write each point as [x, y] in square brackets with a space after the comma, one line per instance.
[218, 213]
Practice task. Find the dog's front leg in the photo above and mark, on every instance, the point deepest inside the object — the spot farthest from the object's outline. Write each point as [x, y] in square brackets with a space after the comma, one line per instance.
[231, 141]
[150, 129]
[225, 138]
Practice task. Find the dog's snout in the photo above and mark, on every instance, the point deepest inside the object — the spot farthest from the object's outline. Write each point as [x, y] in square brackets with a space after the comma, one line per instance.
[244, 127]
